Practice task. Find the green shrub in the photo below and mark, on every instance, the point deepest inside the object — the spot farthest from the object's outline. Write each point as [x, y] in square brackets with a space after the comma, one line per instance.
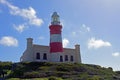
[13, 79]
[94, 78]
[52, 78]
[34, 74]
[43, 68]
[64, 68]
[5, 65]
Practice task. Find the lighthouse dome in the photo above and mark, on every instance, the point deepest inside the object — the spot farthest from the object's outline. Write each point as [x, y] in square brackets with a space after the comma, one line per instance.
[55, 19]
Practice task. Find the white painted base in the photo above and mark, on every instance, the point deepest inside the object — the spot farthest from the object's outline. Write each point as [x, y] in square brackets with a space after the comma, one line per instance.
[55, 57]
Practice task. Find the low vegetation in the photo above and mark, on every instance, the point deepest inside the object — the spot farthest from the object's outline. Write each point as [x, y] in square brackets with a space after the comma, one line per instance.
[55, 71]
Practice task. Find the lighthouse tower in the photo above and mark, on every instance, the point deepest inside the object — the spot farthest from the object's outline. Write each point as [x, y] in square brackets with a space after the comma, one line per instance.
[56, 47]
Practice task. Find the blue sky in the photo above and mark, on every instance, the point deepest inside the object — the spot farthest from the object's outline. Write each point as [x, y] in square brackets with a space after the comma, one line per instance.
[94, 24]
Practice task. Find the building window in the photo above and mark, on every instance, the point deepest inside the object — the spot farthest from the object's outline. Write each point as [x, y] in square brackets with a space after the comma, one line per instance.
[44, 56]
[37, 55]
[61, 58]
[71, 58]
[66, 57]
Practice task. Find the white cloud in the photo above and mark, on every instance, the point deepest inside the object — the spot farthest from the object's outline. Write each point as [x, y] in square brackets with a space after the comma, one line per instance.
[116, 54]
[85, 28]
[28, 14]
[65, 42]
[41, 38]
[94, 43]
[20, 28]
[9, 41]
[74, 33]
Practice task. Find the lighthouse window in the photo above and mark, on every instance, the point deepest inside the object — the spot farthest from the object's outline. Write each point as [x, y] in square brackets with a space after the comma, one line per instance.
[37, 55]
[61, 58]
[44, 56]
[66, 57]
[71, 58]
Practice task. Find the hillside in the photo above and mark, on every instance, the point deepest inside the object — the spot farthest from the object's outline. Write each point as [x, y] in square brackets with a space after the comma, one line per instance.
[67, 71]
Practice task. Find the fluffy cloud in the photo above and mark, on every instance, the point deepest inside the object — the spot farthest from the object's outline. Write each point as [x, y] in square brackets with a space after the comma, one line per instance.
[28, 14]
[9, 41]
[20, 28]
[94, 43]
[74, 33]
[85, 28]
[65, 42]
[116, 54]
[41, 37]
[82, 30]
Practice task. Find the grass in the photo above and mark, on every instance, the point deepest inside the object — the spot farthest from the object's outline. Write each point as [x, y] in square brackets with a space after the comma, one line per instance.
[28, 79]
[65, 71]
[35, 79]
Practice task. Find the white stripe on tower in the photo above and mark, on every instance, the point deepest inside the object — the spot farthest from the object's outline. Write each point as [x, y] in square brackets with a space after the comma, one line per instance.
[55, 38]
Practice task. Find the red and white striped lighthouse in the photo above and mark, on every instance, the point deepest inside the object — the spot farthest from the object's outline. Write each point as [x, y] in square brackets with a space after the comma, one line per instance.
[55, 34]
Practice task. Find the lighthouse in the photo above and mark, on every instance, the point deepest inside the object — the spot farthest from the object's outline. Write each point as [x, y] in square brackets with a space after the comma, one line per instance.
[55, 51]
[56, 47]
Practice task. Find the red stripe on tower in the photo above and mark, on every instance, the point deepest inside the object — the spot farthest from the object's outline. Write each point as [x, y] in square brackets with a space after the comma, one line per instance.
[55, 29]
[55, 34]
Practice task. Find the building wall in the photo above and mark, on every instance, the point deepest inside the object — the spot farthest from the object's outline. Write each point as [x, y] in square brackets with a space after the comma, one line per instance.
[30, 54]
[42, 50]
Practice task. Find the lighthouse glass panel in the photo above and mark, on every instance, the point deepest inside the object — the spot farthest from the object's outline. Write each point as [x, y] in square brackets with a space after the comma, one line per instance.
[55, 19]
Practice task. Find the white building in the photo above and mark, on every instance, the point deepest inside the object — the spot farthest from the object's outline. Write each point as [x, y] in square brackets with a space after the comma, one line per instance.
[55, 51]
